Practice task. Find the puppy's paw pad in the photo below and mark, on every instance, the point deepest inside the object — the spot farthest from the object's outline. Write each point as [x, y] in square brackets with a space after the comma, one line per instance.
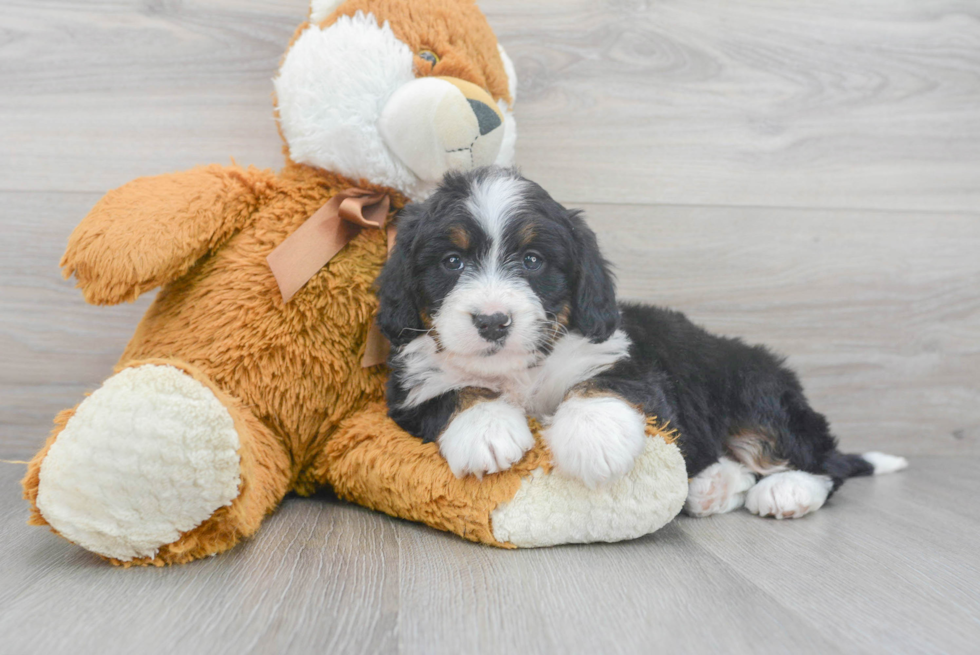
[788, 495]
[487, 438]
[596, 439]
[719, 488]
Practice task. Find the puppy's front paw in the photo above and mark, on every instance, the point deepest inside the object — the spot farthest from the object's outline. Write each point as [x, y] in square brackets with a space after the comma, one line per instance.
[788, 495]
[486, 438]
[596, 439]
[719, 488]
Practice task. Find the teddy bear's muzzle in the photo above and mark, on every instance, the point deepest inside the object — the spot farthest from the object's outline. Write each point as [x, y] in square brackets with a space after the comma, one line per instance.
[437, 124]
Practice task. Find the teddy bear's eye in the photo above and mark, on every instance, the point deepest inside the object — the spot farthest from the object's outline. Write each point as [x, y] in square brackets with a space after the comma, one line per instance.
[429, 56]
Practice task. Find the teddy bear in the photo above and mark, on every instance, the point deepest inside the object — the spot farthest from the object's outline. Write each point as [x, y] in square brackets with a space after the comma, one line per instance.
[257, 370]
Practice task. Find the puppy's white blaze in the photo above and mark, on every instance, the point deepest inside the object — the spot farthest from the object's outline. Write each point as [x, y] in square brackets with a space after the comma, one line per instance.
[493, 202]
[884, 463]
[573, 359]
[788, 495]
[486, 438]
[596, 439]
[719, 488]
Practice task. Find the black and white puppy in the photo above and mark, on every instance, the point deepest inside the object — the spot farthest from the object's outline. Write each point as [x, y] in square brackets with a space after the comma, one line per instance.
[499, 305]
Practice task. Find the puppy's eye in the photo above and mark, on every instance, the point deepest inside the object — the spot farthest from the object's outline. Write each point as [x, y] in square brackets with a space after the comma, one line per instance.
[533, 261]
[453, 263]
[429, 56]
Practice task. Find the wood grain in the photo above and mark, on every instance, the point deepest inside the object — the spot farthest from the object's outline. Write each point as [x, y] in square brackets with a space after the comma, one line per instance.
[827, 103]
[888, 566]
[819, 103]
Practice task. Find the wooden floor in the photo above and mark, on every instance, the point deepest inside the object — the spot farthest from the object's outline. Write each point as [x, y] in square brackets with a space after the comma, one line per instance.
[889, 566]
[804, 174]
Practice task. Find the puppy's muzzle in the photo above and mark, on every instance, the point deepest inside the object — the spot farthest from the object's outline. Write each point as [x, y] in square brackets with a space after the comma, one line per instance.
[492, 327]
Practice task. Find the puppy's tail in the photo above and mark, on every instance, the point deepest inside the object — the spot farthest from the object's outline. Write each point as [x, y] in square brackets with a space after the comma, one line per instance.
[841, 466]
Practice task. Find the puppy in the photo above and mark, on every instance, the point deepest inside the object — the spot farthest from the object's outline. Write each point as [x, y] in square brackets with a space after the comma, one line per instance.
[499, 305]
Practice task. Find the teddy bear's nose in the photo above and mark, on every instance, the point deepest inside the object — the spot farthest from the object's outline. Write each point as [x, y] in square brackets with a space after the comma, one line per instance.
[486, 117]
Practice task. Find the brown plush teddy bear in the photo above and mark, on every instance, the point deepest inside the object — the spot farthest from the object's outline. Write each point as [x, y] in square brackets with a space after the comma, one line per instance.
[253, 373]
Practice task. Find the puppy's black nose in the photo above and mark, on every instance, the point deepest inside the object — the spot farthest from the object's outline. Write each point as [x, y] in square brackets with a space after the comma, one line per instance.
[492, 327]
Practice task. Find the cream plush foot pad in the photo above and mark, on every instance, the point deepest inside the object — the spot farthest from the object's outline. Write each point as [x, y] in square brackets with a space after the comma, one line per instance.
[151, 454]
[553, 509]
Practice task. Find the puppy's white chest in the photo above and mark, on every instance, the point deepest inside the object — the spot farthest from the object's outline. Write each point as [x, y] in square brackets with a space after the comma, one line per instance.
[573, 360]
[538, 387]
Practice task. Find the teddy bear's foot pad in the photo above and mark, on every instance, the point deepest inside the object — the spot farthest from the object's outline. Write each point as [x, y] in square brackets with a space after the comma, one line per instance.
[149, 455]
[553, 509]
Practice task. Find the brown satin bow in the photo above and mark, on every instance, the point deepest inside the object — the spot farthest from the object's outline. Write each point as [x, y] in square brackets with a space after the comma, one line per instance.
[304, 252]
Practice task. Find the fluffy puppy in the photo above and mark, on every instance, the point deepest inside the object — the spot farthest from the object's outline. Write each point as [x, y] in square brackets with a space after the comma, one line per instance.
[499, 305]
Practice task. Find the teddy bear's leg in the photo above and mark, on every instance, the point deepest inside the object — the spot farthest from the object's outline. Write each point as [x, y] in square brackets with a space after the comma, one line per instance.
[157, 466]
[371, 461]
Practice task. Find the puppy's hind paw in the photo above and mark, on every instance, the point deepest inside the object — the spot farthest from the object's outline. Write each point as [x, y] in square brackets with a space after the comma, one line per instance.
[489, 437]
[596, 438]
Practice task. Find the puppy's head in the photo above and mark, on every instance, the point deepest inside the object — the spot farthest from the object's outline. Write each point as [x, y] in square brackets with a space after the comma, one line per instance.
[493, 269]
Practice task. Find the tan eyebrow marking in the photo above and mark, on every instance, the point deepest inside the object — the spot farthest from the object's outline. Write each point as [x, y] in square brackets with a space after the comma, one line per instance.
[527, 234]
[459, 237]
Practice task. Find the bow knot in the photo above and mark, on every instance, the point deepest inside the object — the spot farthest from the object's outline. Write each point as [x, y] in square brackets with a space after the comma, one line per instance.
[303, 253]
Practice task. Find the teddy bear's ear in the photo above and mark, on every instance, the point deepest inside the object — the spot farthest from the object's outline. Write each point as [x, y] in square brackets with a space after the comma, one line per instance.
[511, 74]
[320, 9]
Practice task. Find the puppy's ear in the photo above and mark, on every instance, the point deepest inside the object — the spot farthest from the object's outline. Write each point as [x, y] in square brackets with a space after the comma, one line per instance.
[594, 310]
[398, 313]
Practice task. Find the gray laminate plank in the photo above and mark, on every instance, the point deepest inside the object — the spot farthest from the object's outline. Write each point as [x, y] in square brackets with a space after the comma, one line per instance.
[332, 577]
[940, 486]
[663, 592]
[876, 574]
[828, 103]
[98, 92]
[321, 576]
[53, 346]
[874, 571]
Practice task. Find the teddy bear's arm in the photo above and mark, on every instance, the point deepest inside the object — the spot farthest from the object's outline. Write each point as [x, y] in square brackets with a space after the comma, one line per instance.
[152, 230]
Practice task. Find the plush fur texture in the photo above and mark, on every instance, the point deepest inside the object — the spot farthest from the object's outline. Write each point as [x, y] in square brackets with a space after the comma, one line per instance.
[546, 510]
[329, 114]
[287, 376]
